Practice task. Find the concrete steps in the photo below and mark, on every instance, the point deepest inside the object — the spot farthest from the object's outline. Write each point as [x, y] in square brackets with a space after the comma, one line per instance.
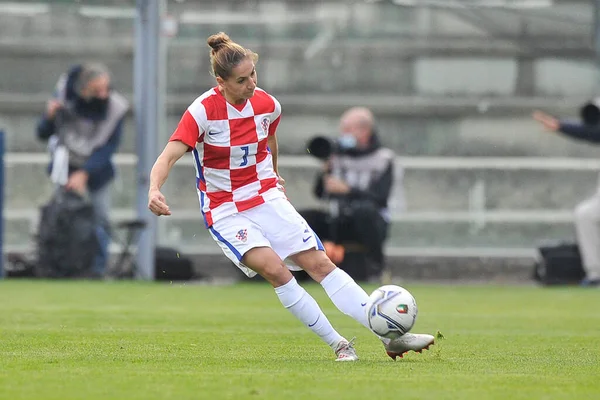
[451, 203]
[412, 126]
[430, 184]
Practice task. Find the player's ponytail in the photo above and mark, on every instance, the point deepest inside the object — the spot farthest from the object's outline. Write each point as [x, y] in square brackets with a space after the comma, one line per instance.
[225, 54]
[217, 42]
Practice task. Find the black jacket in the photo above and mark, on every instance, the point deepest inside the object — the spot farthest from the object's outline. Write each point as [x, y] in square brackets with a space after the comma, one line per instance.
[374, 166]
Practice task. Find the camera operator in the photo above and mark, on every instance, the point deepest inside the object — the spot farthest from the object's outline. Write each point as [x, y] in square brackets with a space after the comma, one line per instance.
[357, 179]
[587, 213]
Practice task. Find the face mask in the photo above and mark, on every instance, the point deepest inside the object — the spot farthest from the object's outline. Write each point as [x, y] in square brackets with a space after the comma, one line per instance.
[347, 142]
[94, 107]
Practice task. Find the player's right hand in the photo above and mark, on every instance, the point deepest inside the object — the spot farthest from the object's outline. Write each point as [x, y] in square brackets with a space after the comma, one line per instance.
[157, 203]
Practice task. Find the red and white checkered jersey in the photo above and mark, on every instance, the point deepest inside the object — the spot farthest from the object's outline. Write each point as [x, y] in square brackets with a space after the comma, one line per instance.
[234, 167]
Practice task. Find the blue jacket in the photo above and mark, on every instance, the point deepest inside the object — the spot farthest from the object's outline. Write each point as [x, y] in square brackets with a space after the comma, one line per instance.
[99, 166]
[580, 131]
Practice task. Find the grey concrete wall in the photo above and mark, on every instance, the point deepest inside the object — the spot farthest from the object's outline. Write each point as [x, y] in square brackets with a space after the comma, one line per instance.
[440, 83]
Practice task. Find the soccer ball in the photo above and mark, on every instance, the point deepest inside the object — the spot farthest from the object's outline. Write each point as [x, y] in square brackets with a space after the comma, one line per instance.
[391, 311]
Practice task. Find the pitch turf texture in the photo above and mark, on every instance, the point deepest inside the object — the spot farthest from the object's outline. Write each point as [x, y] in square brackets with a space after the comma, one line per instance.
[128, 340]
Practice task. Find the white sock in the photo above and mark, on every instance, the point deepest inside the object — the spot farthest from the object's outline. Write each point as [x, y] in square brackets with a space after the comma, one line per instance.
[347, 296]
[305, 308]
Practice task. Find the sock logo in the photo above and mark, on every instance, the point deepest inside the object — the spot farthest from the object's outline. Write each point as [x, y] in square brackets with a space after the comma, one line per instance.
[314, 323]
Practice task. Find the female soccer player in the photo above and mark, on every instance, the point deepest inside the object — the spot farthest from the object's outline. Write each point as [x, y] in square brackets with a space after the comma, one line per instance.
[230, 131]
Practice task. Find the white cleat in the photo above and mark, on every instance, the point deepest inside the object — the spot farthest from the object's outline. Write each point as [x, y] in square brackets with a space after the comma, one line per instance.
[409, 341]
[345, 351]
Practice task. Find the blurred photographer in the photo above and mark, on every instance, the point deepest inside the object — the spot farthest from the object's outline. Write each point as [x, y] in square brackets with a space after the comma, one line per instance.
[587, 213]
[357, 179]
[83, 124]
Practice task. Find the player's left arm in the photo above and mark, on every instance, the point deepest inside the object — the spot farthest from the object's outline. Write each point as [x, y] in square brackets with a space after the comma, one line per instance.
[272, 141]
[274, 147]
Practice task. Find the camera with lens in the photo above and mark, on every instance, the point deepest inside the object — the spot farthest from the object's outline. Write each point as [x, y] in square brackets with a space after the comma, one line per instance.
[322, 147]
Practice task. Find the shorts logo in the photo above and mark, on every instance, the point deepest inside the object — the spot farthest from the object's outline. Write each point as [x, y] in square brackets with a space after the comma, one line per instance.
[264, 124]
[242, 235]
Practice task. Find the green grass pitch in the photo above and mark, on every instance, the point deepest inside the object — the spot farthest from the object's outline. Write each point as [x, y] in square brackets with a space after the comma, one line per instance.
[135, 340]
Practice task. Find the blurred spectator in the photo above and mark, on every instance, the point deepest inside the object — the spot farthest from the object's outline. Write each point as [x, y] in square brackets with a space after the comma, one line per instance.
[587, 213]
[357, 180]
[83, 123]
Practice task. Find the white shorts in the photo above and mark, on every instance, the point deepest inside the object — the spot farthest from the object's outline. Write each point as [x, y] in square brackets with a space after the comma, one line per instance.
[275, 224]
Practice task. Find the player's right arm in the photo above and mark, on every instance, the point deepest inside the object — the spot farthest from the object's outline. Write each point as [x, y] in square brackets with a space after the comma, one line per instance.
[183, 140]
[172, 152]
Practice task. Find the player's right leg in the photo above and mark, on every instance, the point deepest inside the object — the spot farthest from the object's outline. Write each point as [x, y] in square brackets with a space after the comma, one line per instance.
[248, 249]
[267, 263]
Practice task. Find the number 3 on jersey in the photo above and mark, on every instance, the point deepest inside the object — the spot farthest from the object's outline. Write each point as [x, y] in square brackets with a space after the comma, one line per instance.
[245, 156]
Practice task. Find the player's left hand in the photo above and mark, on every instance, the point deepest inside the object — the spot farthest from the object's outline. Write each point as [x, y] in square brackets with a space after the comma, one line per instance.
[281, 180]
